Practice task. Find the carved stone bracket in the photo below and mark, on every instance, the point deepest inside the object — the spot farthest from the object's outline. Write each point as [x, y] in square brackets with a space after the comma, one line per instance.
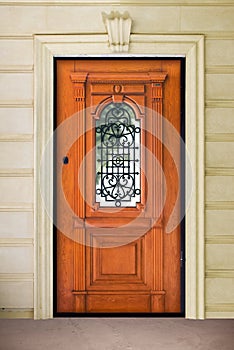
[118, 27]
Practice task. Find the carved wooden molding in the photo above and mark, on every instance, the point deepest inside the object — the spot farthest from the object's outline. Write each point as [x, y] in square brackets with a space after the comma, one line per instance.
[118, 27]
[116, 78]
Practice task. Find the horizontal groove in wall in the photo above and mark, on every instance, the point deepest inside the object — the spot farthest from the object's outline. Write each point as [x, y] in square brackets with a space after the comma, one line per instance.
[209, 35]
[219, 273]
[17, 37]
[220, 35]
[220, 307]
[16, 242]
[228, 69]
[220, 239]
[16, 69]
[218, 137]
[219, 172]
[15, 72]
[114, 2]
[19, 207]
[16, 137]
[212, 35]
[16, 104]
[82, 37]
[16, 313]
[219, 103]
[219, 205]
[14, 277]
[16, 172]
[102, 34]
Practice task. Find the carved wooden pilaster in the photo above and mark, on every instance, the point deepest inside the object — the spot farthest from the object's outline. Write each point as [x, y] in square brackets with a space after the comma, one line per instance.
[157, 294]
[79, 268]
[79, 87]
[157, 146]
[79, 84]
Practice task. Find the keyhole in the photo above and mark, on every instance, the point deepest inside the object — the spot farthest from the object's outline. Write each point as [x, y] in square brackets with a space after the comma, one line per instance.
[65, 160]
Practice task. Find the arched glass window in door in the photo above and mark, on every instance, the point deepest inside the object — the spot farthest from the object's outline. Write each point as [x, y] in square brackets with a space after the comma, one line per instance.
[118, 156]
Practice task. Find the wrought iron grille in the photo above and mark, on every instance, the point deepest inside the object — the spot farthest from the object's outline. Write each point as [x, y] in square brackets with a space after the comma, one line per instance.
[118, 156]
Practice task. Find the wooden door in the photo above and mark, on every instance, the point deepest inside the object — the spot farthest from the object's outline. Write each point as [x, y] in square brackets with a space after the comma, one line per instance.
[121, 184]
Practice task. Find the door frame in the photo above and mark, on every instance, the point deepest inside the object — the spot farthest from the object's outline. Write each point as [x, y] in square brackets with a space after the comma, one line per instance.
[49, 46]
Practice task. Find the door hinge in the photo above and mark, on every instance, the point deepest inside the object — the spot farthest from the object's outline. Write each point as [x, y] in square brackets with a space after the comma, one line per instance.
[181, 258]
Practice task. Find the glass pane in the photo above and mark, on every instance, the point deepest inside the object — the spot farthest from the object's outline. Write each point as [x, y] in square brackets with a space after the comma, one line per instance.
[118, 157]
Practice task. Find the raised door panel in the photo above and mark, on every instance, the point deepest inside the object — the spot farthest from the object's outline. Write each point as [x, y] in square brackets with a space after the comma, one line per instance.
[119, 268]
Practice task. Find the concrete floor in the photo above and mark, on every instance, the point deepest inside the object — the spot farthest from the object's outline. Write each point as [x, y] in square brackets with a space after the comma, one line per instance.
[116, 334]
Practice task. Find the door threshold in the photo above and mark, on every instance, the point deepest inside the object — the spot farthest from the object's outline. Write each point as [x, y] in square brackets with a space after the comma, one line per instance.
[119, 315]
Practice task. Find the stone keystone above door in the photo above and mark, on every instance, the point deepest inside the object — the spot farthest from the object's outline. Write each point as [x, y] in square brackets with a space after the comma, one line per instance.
[118, 27]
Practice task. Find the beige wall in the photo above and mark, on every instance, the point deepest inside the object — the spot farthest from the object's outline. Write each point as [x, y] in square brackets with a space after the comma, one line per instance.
[19, 21]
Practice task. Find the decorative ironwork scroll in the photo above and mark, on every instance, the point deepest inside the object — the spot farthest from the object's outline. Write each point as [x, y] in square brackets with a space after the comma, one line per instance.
[118, 156]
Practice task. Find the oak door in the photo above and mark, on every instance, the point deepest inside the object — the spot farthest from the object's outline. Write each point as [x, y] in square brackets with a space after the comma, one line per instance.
[116, 186]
